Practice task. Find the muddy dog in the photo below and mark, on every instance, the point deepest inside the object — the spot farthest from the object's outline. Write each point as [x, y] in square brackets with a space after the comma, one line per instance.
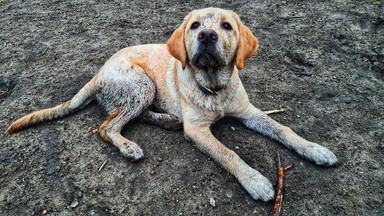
[193, 80]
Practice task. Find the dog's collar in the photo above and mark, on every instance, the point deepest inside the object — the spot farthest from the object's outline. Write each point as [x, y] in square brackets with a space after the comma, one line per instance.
[209, 91]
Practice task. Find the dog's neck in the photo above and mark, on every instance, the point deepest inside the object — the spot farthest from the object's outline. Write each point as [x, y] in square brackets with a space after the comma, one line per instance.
[213, 78]
[189, 81]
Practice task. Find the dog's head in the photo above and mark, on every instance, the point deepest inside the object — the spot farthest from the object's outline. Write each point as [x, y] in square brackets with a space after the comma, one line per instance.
[212, 38]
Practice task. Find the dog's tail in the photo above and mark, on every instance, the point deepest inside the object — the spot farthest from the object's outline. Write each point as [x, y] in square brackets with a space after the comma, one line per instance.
[79, 101]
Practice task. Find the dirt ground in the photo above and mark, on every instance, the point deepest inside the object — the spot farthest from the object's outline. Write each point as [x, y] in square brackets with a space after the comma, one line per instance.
[321, 60]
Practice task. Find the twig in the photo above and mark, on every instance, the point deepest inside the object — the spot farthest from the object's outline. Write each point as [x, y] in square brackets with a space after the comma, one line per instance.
[44, 51]
[280, 185]
[274, 111]
[102, 165]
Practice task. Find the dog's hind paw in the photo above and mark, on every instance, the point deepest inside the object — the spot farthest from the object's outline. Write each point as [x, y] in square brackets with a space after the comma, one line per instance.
[319, 154]
[257, 185]
[132, 152]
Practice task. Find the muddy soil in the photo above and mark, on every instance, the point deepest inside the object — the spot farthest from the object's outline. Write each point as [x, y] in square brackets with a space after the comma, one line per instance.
[321, 60]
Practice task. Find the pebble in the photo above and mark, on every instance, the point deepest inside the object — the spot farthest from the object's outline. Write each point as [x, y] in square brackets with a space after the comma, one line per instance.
[142, 206]
[152, 172]
[35, 149]
[233, 128]
[229, 194]
[212, 202]
[159, 159]
[74, 204]
[79, 194]
[45, 211]
[20, 163]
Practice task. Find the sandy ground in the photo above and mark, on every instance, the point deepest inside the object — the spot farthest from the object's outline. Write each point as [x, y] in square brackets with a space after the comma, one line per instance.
[321, 60]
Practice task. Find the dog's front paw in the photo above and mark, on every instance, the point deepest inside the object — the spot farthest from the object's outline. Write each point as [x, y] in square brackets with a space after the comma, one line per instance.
[319, 154]
[132, 152]
[258, 186]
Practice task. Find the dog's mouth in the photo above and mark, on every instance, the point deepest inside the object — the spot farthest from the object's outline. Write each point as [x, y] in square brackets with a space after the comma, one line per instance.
[207, 57]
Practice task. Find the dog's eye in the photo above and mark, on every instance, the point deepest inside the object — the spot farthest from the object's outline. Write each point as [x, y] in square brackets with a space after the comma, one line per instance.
[227, 26]
[195, 25]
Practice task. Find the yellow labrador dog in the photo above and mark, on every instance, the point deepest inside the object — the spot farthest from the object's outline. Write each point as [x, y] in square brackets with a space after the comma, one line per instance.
[193, 80]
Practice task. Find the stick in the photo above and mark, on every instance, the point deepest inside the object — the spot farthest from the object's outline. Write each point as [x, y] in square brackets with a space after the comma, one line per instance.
[274, 111]
[44, 51]
[102, 165]
[280, 185]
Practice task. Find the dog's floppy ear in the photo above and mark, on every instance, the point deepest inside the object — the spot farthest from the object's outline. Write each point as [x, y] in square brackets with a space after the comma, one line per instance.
[176, 45]
[248, 45]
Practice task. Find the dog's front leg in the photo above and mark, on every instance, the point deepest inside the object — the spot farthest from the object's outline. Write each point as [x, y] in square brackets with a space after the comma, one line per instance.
[253, 181]
[259, 121]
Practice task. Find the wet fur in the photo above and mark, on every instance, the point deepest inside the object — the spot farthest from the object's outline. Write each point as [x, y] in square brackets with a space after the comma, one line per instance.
[167, 78]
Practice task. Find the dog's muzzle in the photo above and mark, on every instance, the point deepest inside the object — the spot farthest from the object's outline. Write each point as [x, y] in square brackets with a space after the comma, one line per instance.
[207, 55]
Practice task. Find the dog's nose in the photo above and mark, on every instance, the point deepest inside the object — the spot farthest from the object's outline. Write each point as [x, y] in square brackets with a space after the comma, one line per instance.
[207, 36]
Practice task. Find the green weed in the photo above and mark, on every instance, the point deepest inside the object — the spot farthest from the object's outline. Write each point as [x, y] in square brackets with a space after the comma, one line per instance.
[87, 24]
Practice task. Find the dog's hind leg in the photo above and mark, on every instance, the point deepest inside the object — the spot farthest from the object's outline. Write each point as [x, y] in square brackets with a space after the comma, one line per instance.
[163, 120]
[110, 132]
[125, 98]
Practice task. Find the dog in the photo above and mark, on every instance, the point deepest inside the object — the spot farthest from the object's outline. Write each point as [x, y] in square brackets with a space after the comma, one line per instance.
[190, 82]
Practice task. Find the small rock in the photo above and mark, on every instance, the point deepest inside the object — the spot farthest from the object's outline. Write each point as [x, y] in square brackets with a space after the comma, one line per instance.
[141, 206]
[20, 163]
[79, 194]
[229, 194]
[159, 159]
[152, 172]
[212, 202]
[45, 211]
[74, 204]
[35, 149]
[233, 128]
